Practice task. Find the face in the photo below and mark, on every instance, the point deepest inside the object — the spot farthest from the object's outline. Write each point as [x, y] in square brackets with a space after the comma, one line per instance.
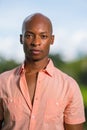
[36, 39]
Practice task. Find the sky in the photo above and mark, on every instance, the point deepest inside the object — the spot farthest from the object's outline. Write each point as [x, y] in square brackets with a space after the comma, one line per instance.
[69, 19]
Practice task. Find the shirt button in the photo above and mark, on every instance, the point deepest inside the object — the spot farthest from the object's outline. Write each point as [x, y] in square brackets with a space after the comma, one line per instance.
[33, 117]
[36, 99]
[11, 100]
[57, 103]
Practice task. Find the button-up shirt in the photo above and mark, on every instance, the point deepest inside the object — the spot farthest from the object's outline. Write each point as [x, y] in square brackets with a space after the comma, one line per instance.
[57, 100]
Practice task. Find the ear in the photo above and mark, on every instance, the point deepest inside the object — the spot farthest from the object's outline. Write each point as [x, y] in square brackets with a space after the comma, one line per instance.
[52, 39]
[21, 39]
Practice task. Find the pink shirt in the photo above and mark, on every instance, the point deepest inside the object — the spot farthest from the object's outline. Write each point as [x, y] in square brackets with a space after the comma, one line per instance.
[57, 100]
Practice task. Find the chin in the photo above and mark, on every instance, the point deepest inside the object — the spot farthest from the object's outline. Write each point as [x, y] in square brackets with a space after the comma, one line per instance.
[33, 59]
[36, 60]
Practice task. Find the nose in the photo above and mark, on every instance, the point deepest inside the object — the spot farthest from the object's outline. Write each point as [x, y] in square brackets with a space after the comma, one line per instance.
[36, 41]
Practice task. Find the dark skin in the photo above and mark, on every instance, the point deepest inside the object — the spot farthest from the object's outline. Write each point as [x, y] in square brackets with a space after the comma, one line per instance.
[36, 39]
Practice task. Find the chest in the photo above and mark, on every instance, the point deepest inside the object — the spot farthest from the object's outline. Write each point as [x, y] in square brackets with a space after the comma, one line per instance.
[49, 106]
[31, 81]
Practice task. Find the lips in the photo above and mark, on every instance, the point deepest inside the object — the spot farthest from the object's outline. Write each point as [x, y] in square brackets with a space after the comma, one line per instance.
[35, 52]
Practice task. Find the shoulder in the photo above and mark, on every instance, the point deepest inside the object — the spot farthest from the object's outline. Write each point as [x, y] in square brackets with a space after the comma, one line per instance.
[5, 75]
[66, 80]
[62, 79]
[8, 81]
[64, 76]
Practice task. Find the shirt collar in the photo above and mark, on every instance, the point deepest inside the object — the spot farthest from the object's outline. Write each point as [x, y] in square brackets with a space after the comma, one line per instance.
[48, 70]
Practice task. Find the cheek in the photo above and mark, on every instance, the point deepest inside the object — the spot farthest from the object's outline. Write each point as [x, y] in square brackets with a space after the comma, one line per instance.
[28, 41]
[26, 44]
[25, 47]
[46, 48]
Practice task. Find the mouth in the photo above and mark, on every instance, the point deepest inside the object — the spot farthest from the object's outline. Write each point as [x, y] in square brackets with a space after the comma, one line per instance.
[35, 52]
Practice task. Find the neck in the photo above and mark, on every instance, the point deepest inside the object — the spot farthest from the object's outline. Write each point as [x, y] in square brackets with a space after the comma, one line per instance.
[35, 66]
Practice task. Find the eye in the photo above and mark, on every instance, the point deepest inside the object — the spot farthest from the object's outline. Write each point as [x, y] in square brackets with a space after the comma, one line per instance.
[44, 36]
[29, 35]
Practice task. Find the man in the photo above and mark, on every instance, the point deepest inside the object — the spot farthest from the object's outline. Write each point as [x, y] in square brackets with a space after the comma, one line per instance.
[37, 95]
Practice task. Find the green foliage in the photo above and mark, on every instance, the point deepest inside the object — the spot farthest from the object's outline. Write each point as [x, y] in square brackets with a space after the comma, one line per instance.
[78, 69]
[57, 60]
[84, 94]
[7, 64]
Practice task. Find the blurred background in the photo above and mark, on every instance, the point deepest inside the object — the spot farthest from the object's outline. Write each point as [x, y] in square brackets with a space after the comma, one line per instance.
[69, 51]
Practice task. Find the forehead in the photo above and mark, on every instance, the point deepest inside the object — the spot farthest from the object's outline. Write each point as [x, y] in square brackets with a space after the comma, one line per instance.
[37, 22]
[37, 25]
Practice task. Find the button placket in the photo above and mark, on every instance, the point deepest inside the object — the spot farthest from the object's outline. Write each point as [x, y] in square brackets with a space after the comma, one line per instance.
[36, 101]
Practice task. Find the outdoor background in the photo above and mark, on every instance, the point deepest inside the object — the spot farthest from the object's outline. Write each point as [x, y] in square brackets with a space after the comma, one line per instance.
[69, 51]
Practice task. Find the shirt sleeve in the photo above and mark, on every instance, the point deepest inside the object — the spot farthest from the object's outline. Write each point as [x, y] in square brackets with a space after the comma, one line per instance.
[74, 112]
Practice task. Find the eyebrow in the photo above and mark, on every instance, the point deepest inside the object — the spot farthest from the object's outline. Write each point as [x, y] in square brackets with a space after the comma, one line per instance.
[33, 33]
[28, 32]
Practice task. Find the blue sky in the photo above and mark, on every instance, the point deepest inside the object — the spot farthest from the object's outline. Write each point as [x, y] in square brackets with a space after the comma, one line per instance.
[69, 18]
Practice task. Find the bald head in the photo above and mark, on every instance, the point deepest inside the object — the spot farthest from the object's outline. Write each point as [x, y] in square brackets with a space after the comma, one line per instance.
[37, 17]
